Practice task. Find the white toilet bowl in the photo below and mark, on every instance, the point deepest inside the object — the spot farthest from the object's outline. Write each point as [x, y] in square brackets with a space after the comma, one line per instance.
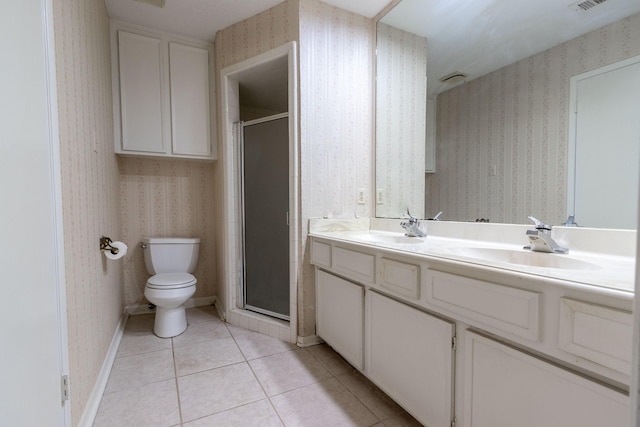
[168, 292]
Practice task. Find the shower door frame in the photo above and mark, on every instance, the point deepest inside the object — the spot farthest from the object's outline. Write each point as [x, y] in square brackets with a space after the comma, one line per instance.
[241, 295]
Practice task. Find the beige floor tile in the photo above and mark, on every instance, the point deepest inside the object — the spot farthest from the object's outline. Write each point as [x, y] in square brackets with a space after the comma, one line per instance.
[140, 369]
[373, 398]
[141, 342]
[140, 323]
[258, 414]
[287, 371]
[254, 344]
[206, 355]
[217, 390]
[152, 405]
[202, 331]
[402, 420]
[330, 359]
[324, 404]
[203, 313]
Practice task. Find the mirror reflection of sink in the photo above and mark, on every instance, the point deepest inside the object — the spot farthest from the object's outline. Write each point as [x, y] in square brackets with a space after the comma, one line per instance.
[382, 237]
[524, 257]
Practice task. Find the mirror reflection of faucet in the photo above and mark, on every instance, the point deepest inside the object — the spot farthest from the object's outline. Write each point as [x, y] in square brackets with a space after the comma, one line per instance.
[412, 227]
[436, 217]
[541, 240]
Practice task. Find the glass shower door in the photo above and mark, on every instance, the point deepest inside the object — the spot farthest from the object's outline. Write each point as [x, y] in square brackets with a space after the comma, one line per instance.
[265, 183]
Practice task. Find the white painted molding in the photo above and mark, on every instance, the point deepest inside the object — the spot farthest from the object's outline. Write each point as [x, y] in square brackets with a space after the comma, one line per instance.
[309, 341]
[91, 408]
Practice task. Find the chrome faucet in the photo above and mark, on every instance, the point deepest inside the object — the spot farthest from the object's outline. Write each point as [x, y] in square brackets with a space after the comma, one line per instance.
[541, 240]
[412, 227]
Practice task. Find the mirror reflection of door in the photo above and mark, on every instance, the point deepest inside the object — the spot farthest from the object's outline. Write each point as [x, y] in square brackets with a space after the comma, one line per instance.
[266, 204]
[607, 146]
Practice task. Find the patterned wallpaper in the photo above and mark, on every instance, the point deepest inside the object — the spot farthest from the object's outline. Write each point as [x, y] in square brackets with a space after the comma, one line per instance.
[166, 198]
[258, 34]
[516, 118]
[90, 193]
[401, 85]
[336, 57]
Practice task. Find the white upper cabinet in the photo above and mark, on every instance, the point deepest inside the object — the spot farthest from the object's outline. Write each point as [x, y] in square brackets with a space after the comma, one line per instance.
[163, 99]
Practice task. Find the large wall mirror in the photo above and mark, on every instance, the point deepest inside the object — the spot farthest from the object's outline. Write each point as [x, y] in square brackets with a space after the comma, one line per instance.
[499, 77]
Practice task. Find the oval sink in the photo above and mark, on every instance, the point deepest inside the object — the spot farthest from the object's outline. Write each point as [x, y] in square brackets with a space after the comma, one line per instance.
[395, 238]
[524, 257]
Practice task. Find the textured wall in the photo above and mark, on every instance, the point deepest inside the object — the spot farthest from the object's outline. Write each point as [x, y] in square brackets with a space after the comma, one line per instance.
[517, 119]
[258, 34]
[336, 148]
[166, 198]
[90, 193]
[401, 114]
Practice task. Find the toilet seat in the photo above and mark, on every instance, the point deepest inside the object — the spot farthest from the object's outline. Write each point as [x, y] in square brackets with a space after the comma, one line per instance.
[171, 281]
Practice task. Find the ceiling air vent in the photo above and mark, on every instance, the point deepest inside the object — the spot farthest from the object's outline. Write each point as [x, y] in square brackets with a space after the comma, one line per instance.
[453, 78]
[586, 4]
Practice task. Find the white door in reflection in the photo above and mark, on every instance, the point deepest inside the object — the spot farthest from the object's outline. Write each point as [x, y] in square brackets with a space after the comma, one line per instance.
[606, 147]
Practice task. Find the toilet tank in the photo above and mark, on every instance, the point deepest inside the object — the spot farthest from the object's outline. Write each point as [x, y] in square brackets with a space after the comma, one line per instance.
[170, 254]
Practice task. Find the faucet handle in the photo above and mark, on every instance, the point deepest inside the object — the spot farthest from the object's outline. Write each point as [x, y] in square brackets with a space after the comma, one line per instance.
[539, 224]
[411, 218]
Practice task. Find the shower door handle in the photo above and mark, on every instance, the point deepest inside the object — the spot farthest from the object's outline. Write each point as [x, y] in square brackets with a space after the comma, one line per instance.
[287, 218]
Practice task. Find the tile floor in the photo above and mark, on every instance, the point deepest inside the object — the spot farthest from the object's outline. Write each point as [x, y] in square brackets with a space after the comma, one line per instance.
[215, 374]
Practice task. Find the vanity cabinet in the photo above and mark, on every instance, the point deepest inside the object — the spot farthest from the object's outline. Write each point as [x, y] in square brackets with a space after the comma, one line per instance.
[409, 355]
[340, 316]
[162, 94]
[459, 343]
[506, 387]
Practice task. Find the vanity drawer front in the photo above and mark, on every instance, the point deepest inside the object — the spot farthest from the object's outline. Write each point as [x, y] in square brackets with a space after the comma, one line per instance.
[353, 264]
[596, 333]
[496, 306]
[399, 277]
[321, 254]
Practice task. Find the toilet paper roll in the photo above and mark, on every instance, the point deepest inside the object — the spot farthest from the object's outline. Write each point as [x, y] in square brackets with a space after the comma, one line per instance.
[122, 250]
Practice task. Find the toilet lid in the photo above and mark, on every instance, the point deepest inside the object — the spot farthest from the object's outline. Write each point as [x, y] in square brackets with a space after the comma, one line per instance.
[171, 281]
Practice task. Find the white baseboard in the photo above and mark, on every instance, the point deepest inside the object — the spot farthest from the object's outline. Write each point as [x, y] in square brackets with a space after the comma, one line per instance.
[308, 341]
[93, 403]
[134, 310]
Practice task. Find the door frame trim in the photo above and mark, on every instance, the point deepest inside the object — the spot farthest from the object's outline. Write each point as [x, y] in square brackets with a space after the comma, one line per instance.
[231, 245]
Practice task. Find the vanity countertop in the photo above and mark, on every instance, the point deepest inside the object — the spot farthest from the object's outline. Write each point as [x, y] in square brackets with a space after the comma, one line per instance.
[499, 247]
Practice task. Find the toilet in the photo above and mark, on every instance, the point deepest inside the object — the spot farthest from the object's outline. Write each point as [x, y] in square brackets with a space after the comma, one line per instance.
[170, 260]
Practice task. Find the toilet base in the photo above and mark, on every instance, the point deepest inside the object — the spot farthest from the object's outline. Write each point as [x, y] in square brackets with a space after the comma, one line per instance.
[170, 322]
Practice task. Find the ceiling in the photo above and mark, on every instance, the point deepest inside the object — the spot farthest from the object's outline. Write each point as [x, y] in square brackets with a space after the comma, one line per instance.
[480, 36]
[201, 19]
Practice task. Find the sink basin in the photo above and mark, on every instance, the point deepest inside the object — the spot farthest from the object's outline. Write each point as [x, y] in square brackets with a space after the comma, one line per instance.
[524, 257]
[381, 237]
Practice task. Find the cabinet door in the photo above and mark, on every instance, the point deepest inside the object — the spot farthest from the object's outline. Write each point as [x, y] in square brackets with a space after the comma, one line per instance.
[505, 387]
[340, 316]
[141, 111]
[190, 114]
[410, 357]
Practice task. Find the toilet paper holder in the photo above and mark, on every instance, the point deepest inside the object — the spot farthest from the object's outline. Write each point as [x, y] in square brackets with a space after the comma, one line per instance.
[105, 245]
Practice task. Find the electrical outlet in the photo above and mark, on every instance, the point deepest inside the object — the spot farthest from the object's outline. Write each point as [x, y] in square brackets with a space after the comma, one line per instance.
[361, 196]
[379, 196]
